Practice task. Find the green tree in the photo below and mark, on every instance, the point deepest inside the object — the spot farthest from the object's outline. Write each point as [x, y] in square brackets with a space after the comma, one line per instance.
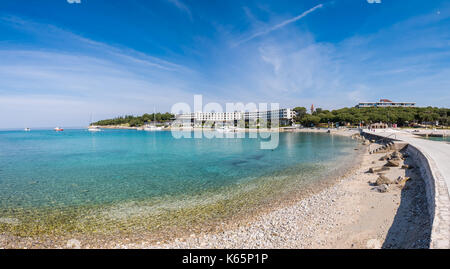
[300, 113]
[309, 120]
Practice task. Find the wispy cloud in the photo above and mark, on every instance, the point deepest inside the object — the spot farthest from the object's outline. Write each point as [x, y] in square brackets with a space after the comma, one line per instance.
[182, 6]
[65, 76]
[53, 35]
[105, 87]
[399, 62]
[279, 25]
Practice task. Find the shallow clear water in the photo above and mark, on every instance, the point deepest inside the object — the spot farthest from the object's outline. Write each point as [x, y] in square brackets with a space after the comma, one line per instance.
[444, 139]
[76, 167]
[136, 182]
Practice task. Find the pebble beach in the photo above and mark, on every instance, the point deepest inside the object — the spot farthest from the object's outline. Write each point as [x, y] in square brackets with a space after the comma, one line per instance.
[349, 214]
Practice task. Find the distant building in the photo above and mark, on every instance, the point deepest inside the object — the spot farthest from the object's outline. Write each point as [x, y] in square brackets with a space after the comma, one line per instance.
[386, 103]
[379, 125]
[284, 115]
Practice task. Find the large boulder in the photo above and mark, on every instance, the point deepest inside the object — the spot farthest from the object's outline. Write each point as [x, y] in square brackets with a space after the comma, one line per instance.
[396, 155]
[393, 163]
[383, 180]
[402, 181]
[377, 169]
[382, 188]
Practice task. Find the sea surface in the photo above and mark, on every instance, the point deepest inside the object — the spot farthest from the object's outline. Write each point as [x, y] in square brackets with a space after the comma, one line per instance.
[74, 180]
[444, 139]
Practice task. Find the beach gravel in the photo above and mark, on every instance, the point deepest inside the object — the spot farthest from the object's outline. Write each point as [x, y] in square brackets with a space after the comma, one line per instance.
[349, 214]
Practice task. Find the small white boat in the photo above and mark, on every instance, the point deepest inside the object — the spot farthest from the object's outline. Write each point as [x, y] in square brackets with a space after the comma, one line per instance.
[27, 129]
[225, 129]
[152, 128]
[94, 129]
[57, 129]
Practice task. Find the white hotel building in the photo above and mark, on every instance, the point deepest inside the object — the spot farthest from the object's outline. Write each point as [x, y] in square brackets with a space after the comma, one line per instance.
[385, 103]
[284, 115]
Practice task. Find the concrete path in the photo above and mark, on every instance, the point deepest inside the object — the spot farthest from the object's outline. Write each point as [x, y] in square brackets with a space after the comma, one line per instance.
[439, 151]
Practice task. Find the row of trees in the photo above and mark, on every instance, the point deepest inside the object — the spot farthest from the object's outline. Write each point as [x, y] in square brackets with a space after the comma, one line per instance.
[399, 115]
[136, 121]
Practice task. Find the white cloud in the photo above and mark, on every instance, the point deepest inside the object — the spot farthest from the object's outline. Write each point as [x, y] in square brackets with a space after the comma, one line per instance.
[183, 7]
[279, 25]
[46, 88]
[85, 77]
[55, 36]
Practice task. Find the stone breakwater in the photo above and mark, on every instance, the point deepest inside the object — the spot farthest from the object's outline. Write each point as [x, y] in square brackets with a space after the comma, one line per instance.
[436, 189]
[437, 197]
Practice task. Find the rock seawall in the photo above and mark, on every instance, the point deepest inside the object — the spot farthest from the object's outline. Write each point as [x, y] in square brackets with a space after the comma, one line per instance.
[438, 198]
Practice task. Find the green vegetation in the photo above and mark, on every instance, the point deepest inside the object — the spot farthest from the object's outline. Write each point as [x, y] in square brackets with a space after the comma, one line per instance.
[345, 116]
[136, 121]
[398, 115]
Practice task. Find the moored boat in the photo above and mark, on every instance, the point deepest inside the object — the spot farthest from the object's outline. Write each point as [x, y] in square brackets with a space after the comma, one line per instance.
[226, 129]
[94, 129]
[152, 128]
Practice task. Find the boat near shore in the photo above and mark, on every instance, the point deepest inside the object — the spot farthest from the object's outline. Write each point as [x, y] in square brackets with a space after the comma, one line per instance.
[151, 128]
[226, 129]
[94, 129]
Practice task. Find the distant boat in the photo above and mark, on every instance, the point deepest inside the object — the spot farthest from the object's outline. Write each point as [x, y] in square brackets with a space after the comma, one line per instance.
[94, 129]
[152, 128]
[226, 129]
[27, 129]
[57, 129]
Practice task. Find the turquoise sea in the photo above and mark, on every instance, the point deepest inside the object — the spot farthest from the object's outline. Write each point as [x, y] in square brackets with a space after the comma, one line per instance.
[444, 139]
[75, 174]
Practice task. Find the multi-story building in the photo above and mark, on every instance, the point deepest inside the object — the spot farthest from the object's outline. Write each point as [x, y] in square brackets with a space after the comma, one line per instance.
[386, 103]
[284, 115]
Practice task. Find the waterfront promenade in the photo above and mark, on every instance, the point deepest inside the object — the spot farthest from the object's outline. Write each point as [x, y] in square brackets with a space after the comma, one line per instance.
[435, 161]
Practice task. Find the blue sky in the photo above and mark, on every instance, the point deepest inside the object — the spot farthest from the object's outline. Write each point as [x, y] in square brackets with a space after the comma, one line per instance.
[62, 62]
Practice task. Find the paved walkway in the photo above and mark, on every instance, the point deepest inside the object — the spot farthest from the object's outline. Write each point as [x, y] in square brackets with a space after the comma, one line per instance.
[439, 151]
